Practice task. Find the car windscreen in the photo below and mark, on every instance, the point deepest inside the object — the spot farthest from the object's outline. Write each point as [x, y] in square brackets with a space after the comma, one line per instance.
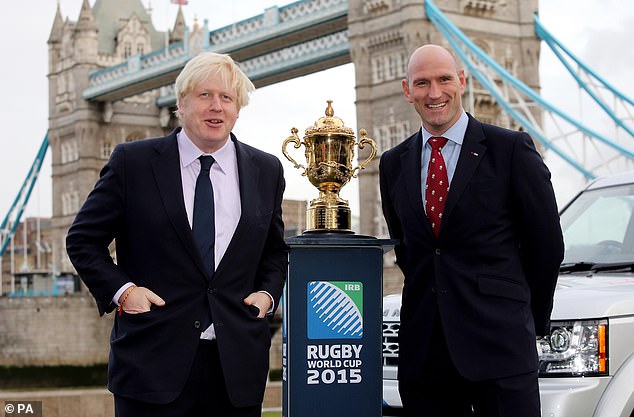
[598, 226]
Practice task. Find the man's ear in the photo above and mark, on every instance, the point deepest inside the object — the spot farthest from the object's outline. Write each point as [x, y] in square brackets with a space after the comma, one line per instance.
[405, 86]
[462, 79]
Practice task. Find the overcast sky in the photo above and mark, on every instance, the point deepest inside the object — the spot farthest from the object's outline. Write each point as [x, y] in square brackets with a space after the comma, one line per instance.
[599, 32]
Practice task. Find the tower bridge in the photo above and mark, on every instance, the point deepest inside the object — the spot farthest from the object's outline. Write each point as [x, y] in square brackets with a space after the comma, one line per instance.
[102, 94]
[111, 76]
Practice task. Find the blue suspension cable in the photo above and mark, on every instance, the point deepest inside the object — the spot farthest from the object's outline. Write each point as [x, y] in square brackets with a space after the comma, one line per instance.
[20, 202]
[556, 46]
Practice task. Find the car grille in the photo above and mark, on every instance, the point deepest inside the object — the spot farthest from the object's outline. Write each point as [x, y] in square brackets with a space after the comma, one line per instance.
[390, 343]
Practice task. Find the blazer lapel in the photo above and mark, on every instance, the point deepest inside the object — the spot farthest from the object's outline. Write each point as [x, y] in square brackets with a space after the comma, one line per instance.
[411, 161]
[471, 154]
[167, 173]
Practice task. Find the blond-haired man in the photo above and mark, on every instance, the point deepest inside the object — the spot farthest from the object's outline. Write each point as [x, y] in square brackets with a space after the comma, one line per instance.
[201, 259]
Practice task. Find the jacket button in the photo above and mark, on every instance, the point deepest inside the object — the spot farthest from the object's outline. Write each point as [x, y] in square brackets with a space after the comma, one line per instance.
[210, 290]
[437, 251]
[197, 324]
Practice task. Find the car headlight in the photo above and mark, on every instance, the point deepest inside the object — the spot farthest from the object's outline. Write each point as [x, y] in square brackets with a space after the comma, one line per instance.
[574, 348]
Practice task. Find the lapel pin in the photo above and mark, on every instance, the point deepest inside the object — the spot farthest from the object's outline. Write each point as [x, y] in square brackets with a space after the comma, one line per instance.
[474, 153]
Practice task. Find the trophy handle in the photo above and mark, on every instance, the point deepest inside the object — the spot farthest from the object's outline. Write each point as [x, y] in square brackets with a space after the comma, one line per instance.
[361, 144]
[295, 139]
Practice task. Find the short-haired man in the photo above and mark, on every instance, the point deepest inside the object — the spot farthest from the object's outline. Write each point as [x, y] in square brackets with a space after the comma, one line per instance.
[480, 247]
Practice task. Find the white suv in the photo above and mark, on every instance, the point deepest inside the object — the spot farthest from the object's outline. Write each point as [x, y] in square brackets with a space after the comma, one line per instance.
[587, 361]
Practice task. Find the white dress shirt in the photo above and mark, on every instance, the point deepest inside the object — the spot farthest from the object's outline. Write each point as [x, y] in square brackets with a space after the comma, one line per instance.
[226, 185]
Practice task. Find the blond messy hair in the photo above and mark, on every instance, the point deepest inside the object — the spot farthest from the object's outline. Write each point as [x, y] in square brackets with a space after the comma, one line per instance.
[212, 64]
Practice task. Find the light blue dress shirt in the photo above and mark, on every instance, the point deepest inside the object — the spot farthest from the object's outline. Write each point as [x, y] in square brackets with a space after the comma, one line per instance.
[450, 152]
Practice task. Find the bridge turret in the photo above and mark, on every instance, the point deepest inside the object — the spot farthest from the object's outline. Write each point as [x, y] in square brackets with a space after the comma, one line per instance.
[178, 32]
[54, 54]
[58, 24]
[86, 40]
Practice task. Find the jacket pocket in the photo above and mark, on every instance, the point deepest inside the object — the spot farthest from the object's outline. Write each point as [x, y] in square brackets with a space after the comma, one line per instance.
[503, 287]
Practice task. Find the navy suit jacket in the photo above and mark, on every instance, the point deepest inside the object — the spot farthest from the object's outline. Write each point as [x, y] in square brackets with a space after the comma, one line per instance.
[491, 272]
[138, 202]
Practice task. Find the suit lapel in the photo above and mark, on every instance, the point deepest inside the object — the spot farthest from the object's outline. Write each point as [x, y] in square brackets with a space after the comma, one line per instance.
[411, 161]
[167, 173]
[471, 154]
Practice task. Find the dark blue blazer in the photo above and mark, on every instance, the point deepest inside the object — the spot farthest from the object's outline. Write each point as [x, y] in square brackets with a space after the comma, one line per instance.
[491, 272]
[138, 202]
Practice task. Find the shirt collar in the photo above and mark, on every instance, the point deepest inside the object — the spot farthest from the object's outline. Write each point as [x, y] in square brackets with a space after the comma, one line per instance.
[455, 133]
[190, 152]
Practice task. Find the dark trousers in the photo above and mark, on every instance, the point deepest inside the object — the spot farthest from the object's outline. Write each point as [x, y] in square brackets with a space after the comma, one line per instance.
[443, 392]
[204, 394]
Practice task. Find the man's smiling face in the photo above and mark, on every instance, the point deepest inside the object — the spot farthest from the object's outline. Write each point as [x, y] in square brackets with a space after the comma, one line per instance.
[434, 86]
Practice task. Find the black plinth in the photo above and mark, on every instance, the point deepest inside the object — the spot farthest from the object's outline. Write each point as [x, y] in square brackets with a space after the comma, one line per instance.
[332, 326]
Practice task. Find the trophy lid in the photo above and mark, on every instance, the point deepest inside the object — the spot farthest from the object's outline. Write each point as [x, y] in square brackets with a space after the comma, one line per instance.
[329, 124]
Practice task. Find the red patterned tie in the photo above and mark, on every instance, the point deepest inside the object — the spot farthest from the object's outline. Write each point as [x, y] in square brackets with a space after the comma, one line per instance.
[437, 185]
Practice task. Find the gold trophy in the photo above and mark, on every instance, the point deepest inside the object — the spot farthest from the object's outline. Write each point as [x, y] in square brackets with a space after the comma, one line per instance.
[329, 154]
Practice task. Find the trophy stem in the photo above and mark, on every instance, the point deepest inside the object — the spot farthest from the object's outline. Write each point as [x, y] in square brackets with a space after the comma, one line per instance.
[328, 214]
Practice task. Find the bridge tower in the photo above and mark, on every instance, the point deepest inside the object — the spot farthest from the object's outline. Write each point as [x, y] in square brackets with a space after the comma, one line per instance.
[83, 133]
[383, 33]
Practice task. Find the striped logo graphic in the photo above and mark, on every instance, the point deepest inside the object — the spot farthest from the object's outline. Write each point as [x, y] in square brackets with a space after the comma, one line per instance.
[335, 310]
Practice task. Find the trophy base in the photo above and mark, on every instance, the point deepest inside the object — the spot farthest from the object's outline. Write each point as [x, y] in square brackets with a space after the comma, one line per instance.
[325, 219]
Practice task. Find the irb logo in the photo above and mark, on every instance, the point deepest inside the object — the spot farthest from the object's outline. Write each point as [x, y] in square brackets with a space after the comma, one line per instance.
[335, 310]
